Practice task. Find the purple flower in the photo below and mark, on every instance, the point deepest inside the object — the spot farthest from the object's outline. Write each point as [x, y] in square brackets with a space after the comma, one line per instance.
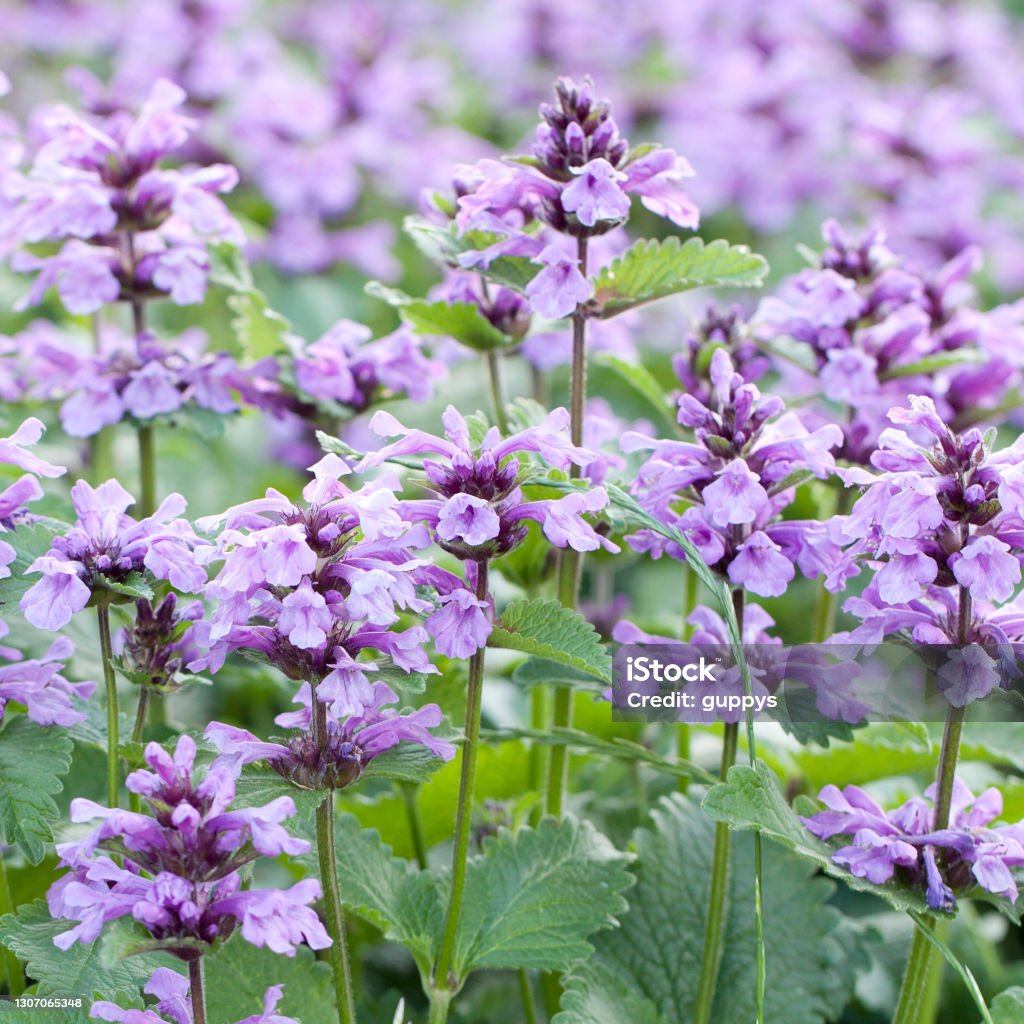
[595, 195]
[726, 490]
[462, 626]
[904, 842]
[560, 287]
[48, 697]
[180, 878]
[106, 545]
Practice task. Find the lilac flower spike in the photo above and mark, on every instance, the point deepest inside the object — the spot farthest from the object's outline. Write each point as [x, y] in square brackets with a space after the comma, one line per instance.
[727, 488]
[903, 843]
[37, 683]
[479, 511]
[180, 876]
[92, 184]
[106, 545]
[943, 512]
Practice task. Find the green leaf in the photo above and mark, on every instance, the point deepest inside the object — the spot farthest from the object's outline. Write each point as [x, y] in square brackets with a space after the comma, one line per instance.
[444, 245]
[261, 331]
[534, 897]
[640, 381]
[547, 630]
[1008, 1007]
[258, 785]
[237, 975]
[542, 672]
[389, 893]
[650, 270]
[134, 585]
[462, 321]
[651, 963]
[931, 364]
[80, 970]
[408, 762]
[752, 799]
[33, 759]
[29, 540]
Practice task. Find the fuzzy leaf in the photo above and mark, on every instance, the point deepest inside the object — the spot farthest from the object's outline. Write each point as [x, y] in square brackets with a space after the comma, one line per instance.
[640, 381]
[33, 759]
[134, 585]
[547, 630]
[408, 762]
[1008, 1007]
[650, 270]
[78, 971]
[237, 975]
[462, 321]
[258, 785]
[542, 672]
[752, 799]
[651, 963]
[534, 897]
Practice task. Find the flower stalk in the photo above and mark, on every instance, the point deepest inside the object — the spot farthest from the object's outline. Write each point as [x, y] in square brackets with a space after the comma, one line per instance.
[110, 685]
[570, 563]
[9, 963]
[197, 990]
[467, 784]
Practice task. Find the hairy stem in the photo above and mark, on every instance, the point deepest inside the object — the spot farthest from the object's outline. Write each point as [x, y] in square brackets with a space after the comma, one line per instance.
[110, 683]
[464, 813]
[912, 1005]
[496, 380]
[570, 563]
[335, 912]
[197, 990]
[141, 713]
[147, 471]
[526, 993]
[327, 857]
[714, 926]
[9, 963]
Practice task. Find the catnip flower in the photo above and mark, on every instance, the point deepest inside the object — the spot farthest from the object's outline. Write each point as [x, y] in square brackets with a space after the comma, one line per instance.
[174, 1004]
[127, 227]
[953, 861]
[141, 379]
[944, 511]
[177, 871]
[106, 547]
[480, 512]
[154, 650]
[37, 683]
[726, 490]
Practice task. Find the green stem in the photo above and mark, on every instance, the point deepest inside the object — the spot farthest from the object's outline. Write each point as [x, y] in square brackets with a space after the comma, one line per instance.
[496, 380]
[197, 990]
[110, 682]
[570, 563]
[912, 1002]
[10, 964]
[140, 714]
[335, 912]
[714, 927]
[539, 753]
[526, 993]
[412, 816]
[464, 814]
[691, 584]
[147, 471]
[440, 1004]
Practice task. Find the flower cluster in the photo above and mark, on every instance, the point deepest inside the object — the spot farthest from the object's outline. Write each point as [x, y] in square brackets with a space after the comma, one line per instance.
[106, 549]
[876, 329]
[726, 489]
[578, 183]
[159, 643]
[177, 869]
[171, 991]
[127, 227]
[905, 843]
[947, 512]
[309, 588]
[144, 378]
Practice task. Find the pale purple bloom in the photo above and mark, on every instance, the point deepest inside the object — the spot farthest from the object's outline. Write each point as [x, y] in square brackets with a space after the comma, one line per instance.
[180, 877]
[462, 626]
[106, 544]
[904, 843]
[987, 568]
[37, 683]
[595, 194]
[560, 287]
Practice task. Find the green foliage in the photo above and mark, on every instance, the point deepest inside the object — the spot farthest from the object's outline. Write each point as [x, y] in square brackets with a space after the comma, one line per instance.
[650, 270]
[33, 760]
[532, 898]
[29, 540]
[81, 970]
[752, 799]
[646, 971]
[640, 382]
[462, 321]
[547, 630]
[1008, 1007]
[237, 975]
[261, 331]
